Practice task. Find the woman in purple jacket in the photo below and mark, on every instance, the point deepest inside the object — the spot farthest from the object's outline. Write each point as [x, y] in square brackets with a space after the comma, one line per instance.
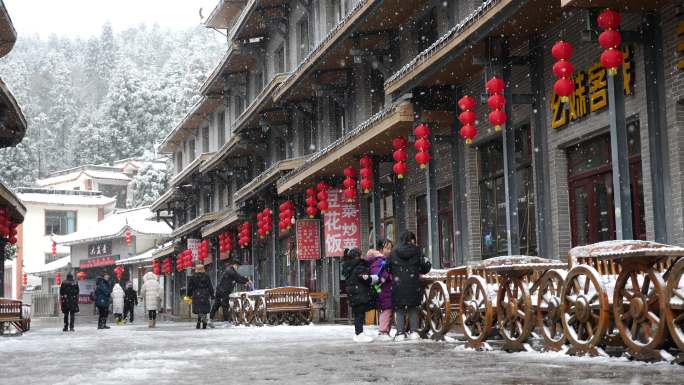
[376, 258]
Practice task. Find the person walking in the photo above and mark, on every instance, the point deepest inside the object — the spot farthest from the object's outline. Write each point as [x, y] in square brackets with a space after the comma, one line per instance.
[383, 303]
[358, 280]
[68, 298]
[130, 302]
[201, 291]
[151, 295]
[406, 264]
[224, 288]
[102, 296]
[118, 303]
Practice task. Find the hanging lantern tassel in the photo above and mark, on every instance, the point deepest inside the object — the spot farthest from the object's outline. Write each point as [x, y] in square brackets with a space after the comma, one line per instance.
[496, 101]
[422, 145]
[563, 69]
[467, 117]
[400, 156]
[610, 40]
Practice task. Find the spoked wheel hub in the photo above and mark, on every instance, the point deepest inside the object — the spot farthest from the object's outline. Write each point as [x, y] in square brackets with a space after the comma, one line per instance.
[637, 308]
[472, 311]
[582, 309]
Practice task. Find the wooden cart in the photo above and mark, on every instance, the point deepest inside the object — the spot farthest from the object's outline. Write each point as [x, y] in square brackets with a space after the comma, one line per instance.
[615, 293]
[273, 306]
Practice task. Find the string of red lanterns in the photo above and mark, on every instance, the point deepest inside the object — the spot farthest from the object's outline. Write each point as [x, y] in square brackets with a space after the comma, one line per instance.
[58, 278]
[264, 223]
[167, 266]
[400, 156]
[118, 272]
[563, 69]
[467, 117]
[54, 248]
[366, 173]
[156, 267]
[311, 203]
[285, 215]
[225, 242]
[25, 280]
[349, 184]
[322, 196]
[203, 251]
[610, 40]
[496, 102]
[422, 145]
[245, 234]
[128, 236]
[8, 229]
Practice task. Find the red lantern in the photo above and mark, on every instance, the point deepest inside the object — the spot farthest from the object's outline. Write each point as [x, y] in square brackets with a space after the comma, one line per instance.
[366, 162]
[610, 40]
[311, 203]
[349, 184]
[400, 156]
[467, 103]
[399, 168]
[468, 118]
[562, 50]
[54, 248]
[563, 88]
[366, 172]
[563, 69]
[366, 185]
[118, 271]
[350, 194]
[129, 237]
[422, 145]
[422, 131]
[58, 279]
[156, 267]
[81, 275]
[495, 87]
[25, 279]
[311, 211]
[468, 132]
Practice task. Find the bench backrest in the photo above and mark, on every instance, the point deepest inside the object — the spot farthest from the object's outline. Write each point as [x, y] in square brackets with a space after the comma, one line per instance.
[10, 309]
[286, 297]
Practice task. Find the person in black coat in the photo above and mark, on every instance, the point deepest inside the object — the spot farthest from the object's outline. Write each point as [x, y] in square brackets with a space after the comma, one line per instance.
[103, 292]
[130, 302]
[68, 298]
[225, 287]
[358, 281]
[406, 264]
[201, 291]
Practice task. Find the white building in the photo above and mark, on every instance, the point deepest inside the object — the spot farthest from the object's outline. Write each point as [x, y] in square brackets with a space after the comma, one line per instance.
[52, 212]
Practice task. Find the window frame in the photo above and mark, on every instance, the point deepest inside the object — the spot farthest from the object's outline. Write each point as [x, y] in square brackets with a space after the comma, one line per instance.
[47, 212]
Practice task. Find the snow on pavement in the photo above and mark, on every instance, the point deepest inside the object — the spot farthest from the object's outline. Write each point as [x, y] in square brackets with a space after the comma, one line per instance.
[176, 353]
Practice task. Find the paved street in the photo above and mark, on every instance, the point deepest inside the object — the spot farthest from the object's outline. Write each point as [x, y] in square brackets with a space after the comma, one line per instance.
[176, 353]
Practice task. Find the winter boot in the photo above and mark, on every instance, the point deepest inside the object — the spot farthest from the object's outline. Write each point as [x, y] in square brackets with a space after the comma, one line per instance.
[99, 323]
[198, 324]
[104, 324]
[65, 329]
[71, 329]
[211, 324]
[154, 322]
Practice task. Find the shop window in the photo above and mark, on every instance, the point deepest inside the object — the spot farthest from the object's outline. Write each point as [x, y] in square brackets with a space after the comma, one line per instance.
[387, 216]
[590, 181]
[493, 235]
[445, 223]
[60, 222]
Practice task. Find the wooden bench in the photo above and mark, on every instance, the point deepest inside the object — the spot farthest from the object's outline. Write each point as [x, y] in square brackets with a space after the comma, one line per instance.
[288, 303]
[14, 313]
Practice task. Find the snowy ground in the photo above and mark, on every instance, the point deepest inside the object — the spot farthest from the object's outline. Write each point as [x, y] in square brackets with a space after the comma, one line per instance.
[176, 353]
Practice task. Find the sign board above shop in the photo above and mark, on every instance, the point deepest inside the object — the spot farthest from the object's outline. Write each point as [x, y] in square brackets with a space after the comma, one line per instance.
[98, 262]
[308, 239]
[591, 92]
[100, 249]
[342, 224]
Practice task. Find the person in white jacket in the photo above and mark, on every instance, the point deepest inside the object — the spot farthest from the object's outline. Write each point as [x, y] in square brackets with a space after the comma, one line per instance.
[151, 295]
[118, 303]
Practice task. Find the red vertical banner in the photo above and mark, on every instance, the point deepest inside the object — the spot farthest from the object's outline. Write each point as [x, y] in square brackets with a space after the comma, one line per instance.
[308, 239]
[342, 224]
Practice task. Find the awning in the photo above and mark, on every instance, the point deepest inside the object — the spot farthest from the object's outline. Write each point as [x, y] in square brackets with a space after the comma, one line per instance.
[166, 249]
[225, 13]
[374, 134]
[223, 219]
[14, 207]
[234, 60]
[193, 225]
[190, 169]
[63, 263]
[144, 257]
[169, 196]
[267, 177]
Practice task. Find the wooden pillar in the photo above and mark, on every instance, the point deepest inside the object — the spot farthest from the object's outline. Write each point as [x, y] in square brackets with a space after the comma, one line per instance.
[508, 138]
[376, 215]
[619, 152]
[460, 219]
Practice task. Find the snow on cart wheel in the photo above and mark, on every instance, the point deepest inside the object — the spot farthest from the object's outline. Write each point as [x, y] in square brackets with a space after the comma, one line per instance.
[236, 310]
[247, 311]
[675, 295]
[439, 308]
[424, 312]
[585, 310]
[640, 307]
[259, 311]
[477, 313]
[514, 313]
[548, 309]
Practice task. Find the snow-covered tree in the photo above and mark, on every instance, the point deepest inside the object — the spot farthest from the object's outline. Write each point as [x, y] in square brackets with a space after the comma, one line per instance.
[149, 183]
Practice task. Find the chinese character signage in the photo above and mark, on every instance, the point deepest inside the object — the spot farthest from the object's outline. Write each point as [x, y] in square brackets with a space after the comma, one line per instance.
[100, 249]
[591, 92]
[98, 262]
[308, 239]
[193, 245]
[342, 224]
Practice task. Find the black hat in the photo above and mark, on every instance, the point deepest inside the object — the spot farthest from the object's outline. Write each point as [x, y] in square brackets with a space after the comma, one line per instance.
[70, 277]
[233, 261]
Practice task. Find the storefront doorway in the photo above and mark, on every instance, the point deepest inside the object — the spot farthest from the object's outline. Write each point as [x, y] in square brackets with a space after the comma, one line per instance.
[590, 182]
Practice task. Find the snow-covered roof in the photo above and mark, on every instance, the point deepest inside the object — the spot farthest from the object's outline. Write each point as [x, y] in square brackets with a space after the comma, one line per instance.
[143, 257]
[163, 250]
[115, 225]
[65, 197]
[53, 266]
[95, 172]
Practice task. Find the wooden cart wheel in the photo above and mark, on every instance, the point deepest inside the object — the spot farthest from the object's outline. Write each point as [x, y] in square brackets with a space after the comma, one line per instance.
[675, 296]
[308, 314]
[424, 312]
[640, 308]
[514, 313]
[273, 319]
[477, 313]
[259, 311]
[585, 311]
[247, 311]
[548, 309]
[439, 308]
[236, 310]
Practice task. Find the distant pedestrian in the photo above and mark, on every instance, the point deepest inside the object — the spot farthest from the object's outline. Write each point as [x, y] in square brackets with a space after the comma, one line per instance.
[358, 280]
[378, 266]
[102, 296]
[151, 295]
[224, 288]
[68, 298]
[130, 302]
[118, 303]
[406, 264]
[201, 291]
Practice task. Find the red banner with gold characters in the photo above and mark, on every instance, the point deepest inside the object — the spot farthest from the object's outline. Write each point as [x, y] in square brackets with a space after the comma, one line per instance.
[342, 224]
[308, 239]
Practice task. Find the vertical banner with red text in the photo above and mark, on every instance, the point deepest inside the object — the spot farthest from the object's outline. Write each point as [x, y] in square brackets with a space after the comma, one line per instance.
[308, 239]
[342, 224]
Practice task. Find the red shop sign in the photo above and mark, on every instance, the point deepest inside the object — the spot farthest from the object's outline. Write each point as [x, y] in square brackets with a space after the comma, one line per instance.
[308, 239]
[98, 262]
[342, 224]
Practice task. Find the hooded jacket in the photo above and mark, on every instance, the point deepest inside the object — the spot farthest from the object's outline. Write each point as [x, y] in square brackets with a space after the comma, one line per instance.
[130, 298]
[201, 291]
[227, 284]
[151, 291]
[68, 296]
[102, 293]
[378, 267]
[406, 264]
[117, 299]
[358, 289]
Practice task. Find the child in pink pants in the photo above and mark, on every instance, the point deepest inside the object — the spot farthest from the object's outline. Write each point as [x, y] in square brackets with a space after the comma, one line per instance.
[376, 258]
